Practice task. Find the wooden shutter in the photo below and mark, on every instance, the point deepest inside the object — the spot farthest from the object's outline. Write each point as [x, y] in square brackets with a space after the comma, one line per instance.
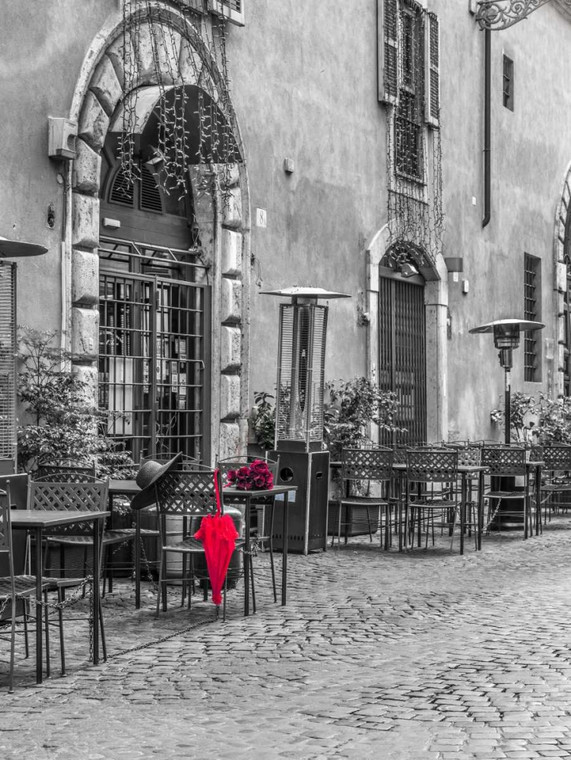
[432, 71]
[233, 10]
[387, 50]
[8, 361]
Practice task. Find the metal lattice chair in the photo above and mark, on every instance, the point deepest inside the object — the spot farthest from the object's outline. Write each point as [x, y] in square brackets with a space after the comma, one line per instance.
[189, 496]
[509, 493]
[91, 495]
[363, 470]
[431, 498]
[555, 484]
[16, 591]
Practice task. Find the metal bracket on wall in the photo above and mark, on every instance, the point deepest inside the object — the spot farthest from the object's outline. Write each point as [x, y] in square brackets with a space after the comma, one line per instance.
[501, 14]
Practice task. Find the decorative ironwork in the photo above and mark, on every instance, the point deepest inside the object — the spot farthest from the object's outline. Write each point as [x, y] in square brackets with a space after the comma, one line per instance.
[501, 14]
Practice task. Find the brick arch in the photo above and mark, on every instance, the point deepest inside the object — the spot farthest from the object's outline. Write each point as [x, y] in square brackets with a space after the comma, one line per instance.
[562, 225]
[99, 92]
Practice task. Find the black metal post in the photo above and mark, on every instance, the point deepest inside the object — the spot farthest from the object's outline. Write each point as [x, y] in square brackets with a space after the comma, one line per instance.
[507, 405]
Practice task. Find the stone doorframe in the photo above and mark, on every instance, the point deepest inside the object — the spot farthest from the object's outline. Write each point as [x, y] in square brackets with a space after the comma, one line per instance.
[436, 310]
[224, 226]
[562, 224]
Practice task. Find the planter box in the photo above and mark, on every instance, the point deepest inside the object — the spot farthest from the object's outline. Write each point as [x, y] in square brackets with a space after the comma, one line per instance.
[354, 520]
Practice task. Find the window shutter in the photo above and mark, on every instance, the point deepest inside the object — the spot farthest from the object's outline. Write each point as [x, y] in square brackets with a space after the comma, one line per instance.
[387, 50]
[233, 10]
[8, 361]
[432, 71]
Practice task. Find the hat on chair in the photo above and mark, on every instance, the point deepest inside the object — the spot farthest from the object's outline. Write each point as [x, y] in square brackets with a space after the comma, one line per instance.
[148, 476]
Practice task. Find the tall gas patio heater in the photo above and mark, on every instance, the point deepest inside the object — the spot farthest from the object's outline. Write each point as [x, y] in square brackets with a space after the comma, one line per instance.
[299, 415]
[506, 338]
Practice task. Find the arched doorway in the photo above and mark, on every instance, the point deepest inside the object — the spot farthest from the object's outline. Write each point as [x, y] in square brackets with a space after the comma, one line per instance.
[154, 263]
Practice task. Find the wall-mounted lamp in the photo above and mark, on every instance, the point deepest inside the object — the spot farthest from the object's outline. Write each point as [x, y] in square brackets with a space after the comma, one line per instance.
[454, 265]
[408, 270]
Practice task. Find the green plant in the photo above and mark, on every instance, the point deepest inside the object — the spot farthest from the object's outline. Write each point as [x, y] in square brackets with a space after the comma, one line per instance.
[352, 406]
[262, 419]
[62, 424]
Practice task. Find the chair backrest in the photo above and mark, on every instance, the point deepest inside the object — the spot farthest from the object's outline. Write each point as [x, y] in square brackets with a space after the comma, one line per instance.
[89, 495]
[54, 468]
[234, 463]
[432, 465]
[555, 457]
[185, 462]
[469, 454]
[372, 464]
[188, 492]
[504, 460]
[6, 531]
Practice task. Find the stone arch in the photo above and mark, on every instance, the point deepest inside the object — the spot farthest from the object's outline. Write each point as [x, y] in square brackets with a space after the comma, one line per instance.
[436, 306]
[560, 267]
[100, 90]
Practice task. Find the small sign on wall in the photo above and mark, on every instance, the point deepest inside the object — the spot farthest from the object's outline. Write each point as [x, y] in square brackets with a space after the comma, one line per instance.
[261, 218]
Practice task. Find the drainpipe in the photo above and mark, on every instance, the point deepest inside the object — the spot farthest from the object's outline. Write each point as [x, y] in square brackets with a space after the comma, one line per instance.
[487, 123]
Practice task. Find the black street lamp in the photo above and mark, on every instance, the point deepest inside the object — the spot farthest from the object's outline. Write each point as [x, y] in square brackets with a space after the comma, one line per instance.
[506, 338]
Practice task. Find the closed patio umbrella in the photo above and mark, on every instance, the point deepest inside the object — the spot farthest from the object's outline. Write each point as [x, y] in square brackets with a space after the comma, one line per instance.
[218, 535]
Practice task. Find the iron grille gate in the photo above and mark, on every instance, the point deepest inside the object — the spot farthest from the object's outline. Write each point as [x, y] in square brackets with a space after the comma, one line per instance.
[153, 366]
[402, 355]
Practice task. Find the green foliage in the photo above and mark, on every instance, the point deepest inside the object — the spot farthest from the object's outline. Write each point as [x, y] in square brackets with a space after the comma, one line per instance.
[353, 405]
[262, 419]
[63, 425]
[537, 420]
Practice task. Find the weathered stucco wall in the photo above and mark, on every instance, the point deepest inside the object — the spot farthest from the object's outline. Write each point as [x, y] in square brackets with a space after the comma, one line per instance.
[530, 154]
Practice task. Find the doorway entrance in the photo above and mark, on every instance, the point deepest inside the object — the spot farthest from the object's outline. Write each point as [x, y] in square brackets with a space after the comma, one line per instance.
[402, 352]
[154, 339]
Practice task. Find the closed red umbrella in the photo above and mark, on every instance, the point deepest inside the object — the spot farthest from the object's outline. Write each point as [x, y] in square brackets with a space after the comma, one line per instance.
[218, 535]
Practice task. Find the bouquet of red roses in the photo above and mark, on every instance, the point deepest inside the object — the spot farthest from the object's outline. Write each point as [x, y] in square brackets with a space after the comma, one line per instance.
[252, 477]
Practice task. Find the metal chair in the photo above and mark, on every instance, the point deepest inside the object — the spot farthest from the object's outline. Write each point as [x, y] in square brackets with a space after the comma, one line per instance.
[431, 493]
[363, 469]
[90, 494]
[509, 492]
[555, 484]
[188, 496]
[15, 590]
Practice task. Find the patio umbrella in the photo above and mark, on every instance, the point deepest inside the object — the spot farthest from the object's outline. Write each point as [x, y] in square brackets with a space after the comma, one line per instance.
[218, 535]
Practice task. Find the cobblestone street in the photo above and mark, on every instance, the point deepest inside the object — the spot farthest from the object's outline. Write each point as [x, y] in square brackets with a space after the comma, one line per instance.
[423, 654]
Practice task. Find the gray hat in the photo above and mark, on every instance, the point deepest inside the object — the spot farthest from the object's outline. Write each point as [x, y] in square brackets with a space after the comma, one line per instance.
[148, 476]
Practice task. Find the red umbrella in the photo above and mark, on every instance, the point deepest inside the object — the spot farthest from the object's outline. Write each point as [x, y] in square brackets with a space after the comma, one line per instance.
[218, 535]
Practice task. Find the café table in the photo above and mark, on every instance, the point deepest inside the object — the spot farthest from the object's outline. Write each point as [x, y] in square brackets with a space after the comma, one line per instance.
[248, 498]
[38, 520]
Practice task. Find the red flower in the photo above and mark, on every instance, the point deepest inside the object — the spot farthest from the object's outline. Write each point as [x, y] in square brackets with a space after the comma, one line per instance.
[248, 478]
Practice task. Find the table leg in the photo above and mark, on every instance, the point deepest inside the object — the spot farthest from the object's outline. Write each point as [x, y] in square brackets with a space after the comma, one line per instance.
[137, 558]
[96, 589]
[39, 610]
[247, 557]
[285, 529]
[480, 509]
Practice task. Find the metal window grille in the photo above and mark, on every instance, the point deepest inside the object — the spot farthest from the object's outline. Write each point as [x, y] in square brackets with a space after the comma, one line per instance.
[153, 351]
[7, 360]
[402, 354]
[508, 83]
[532, 312]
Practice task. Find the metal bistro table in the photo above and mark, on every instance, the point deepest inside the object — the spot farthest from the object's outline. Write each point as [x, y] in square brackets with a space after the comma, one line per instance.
[235, 495]
[38, 520]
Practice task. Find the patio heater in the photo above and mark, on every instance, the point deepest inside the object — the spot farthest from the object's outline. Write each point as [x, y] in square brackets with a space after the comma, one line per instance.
[9, 249]
[299, 416]
[506, 338]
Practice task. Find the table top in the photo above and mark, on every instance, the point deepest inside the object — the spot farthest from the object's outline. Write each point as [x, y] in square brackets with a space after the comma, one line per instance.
[47, 518]
[263, 492]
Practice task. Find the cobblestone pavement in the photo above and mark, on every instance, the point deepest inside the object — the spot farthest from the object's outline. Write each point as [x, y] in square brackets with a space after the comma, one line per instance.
[423, 654]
